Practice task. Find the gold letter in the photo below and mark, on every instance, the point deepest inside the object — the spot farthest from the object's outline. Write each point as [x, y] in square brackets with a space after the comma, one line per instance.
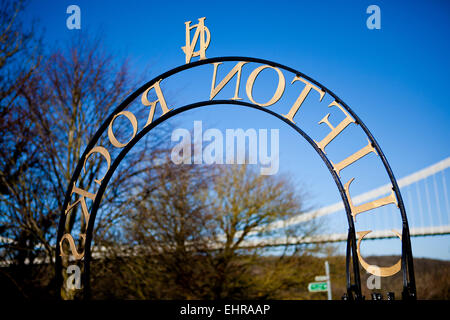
[104, 153]
[160, 99]
[111, 136]
[368, 205]
[237, 69]
[375, 270]
[83, 194]
[334, 131]
[302, 97]
[201, 30]
[72, 245]
[280, 89]
[353, 158]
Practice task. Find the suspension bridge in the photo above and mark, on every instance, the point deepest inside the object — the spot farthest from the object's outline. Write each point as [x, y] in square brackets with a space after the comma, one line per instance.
[424, 193]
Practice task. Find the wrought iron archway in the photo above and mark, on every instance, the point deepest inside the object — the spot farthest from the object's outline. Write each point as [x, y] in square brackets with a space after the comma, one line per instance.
[353, 285]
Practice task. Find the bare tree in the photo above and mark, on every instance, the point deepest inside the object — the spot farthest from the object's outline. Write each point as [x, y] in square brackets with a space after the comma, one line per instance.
[50, 106]
[244, 204]
[186, 234]
[20, 57]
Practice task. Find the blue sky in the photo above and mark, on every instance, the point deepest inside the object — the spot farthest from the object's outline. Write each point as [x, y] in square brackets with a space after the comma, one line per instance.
[395, 78]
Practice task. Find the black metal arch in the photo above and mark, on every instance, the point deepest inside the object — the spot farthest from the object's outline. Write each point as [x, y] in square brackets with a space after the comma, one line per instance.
[353, 289]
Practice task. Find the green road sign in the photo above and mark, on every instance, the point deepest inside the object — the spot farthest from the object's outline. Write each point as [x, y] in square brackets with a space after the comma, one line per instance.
[317, 287]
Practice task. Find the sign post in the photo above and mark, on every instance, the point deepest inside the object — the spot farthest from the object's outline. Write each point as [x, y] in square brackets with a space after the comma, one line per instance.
[327, 272]
[323, 283]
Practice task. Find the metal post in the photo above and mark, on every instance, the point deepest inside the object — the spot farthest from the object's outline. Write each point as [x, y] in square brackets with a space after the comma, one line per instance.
[327, 273]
